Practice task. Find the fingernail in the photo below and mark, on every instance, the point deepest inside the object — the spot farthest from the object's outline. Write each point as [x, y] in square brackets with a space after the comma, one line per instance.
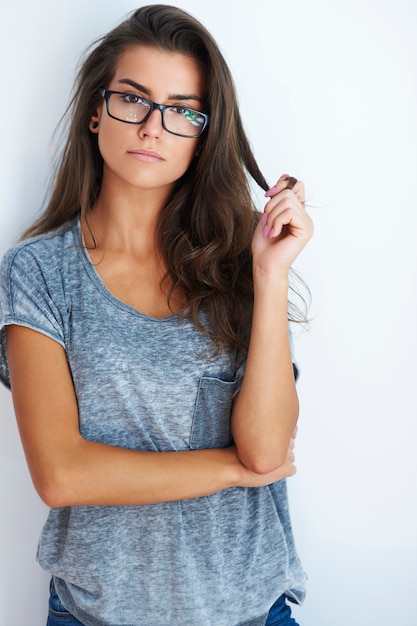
[270, 192]
[266, 231]
[264, 219]
[285, 176]
[272, 232]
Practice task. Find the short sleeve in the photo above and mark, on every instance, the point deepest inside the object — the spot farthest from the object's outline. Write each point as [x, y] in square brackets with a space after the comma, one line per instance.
[30, 295]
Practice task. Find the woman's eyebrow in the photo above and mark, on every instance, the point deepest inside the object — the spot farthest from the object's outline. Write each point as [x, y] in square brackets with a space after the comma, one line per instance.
[128, 81]
[139, 87]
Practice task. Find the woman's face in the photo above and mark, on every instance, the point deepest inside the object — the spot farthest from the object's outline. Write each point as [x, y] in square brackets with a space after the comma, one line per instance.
[146, 156]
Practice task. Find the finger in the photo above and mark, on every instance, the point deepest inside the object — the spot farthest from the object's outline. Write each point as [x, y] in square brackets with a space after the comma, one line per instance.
[288, 217]
[299, 191]
[284, 182]
[281, 186]
[297, 187]
[285, 201]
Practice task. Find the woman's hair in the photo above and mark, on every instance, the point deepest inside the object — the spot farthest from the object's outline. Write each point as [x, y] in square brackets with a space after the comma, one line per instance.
[205, 229]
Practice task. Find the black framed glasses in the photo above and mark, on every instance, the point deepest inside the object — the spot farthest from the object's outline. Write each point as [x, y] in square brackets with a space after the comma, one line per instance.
[131, 108]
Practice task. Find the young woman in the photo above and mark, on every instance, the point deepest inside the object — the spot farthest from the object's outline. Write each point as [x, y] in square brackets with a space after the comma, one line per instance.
[145, 337]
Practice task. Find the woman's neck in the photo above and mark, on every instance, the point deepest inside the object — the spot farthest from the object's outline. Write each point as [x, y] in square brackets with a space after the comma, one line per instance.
[125, 222]
[119, 234]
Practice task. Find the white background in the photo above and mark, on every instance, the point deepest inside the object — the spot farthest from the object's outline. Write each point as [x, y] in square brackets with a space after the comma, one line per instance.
[328, 92]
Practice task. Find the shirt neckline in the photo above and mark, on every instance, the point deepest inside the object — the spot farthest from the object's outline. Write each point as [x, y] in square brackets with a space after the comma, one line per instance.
[100, 285]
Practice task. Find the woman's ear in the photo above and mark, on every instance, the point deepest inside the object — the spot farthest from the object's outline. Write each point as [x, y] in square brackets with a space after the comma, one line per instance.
[94, 122]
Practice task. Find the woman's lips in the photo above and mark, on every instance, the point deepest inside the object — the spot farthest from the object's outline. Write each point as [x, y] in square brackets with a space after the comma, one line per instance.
[146, 156]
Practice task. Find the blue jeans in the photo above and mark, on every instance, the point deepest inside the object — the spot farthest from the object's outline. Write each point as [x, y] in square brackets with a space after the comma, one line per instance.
[58, 615]
[279, 615]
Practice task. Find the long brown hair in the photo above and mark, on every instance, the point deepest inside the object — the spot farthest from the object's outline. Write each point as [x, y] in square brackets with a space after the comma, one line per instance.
[206, 228]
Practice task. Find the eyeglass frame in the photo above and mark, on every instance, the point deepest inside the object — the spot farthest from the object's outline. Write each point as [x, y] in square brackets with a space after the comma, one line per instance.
[106, 93]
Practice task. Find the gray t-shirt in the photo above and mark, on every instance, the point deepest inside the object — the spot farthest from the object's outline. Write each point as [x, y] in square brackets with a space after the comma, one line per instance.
[147, 384]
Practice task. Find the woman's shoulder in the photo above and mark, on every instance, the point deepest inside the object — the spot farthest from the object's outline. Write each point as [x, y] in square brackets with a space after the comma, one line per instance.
[45, 250]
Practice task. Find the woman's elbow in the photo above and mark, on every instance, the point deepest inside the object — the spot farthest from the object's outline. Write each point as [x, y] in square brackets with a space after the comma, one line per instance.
[264, 463]
[53, 488]
[266, 456]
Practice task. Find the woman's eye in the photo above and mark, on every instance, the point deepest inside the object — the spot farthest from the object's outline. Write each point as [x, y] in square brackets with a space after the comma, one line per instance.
[130, 98]
[191, 116]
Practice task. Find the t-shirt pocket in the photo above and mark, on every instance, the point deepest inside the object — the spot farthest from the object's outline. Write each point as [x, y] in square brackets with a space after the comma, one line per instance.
[211, 424]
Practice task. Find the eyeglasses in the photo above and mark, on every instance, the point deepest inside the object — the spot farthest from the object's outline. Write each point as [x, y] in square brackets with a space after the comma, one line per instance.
[134, 109]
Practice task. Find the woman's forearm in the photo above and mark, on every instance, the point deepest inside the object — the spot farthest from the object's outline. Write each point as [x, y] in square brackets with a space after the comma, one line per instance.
[266, 410]
[91, 473]
[102, 475]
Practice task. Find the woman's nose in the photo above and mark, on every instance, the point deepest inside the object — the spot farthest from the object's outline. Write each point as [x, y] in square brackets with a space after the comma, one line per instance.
[153, 126]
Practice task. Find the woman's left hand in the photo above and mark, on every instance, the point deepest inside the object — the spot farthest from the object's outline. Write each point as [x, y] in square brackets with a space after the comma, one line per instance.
[284, 229]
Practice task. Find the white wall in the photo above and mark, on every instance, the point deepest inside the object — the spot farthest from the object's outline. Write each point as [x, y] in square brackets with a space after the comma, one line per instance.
[328, 92]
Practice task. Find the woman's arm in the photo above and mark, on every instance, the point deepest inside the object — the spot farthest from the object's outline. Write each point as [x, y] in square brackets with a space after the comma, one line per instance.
[69, 470]
[265, 411]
